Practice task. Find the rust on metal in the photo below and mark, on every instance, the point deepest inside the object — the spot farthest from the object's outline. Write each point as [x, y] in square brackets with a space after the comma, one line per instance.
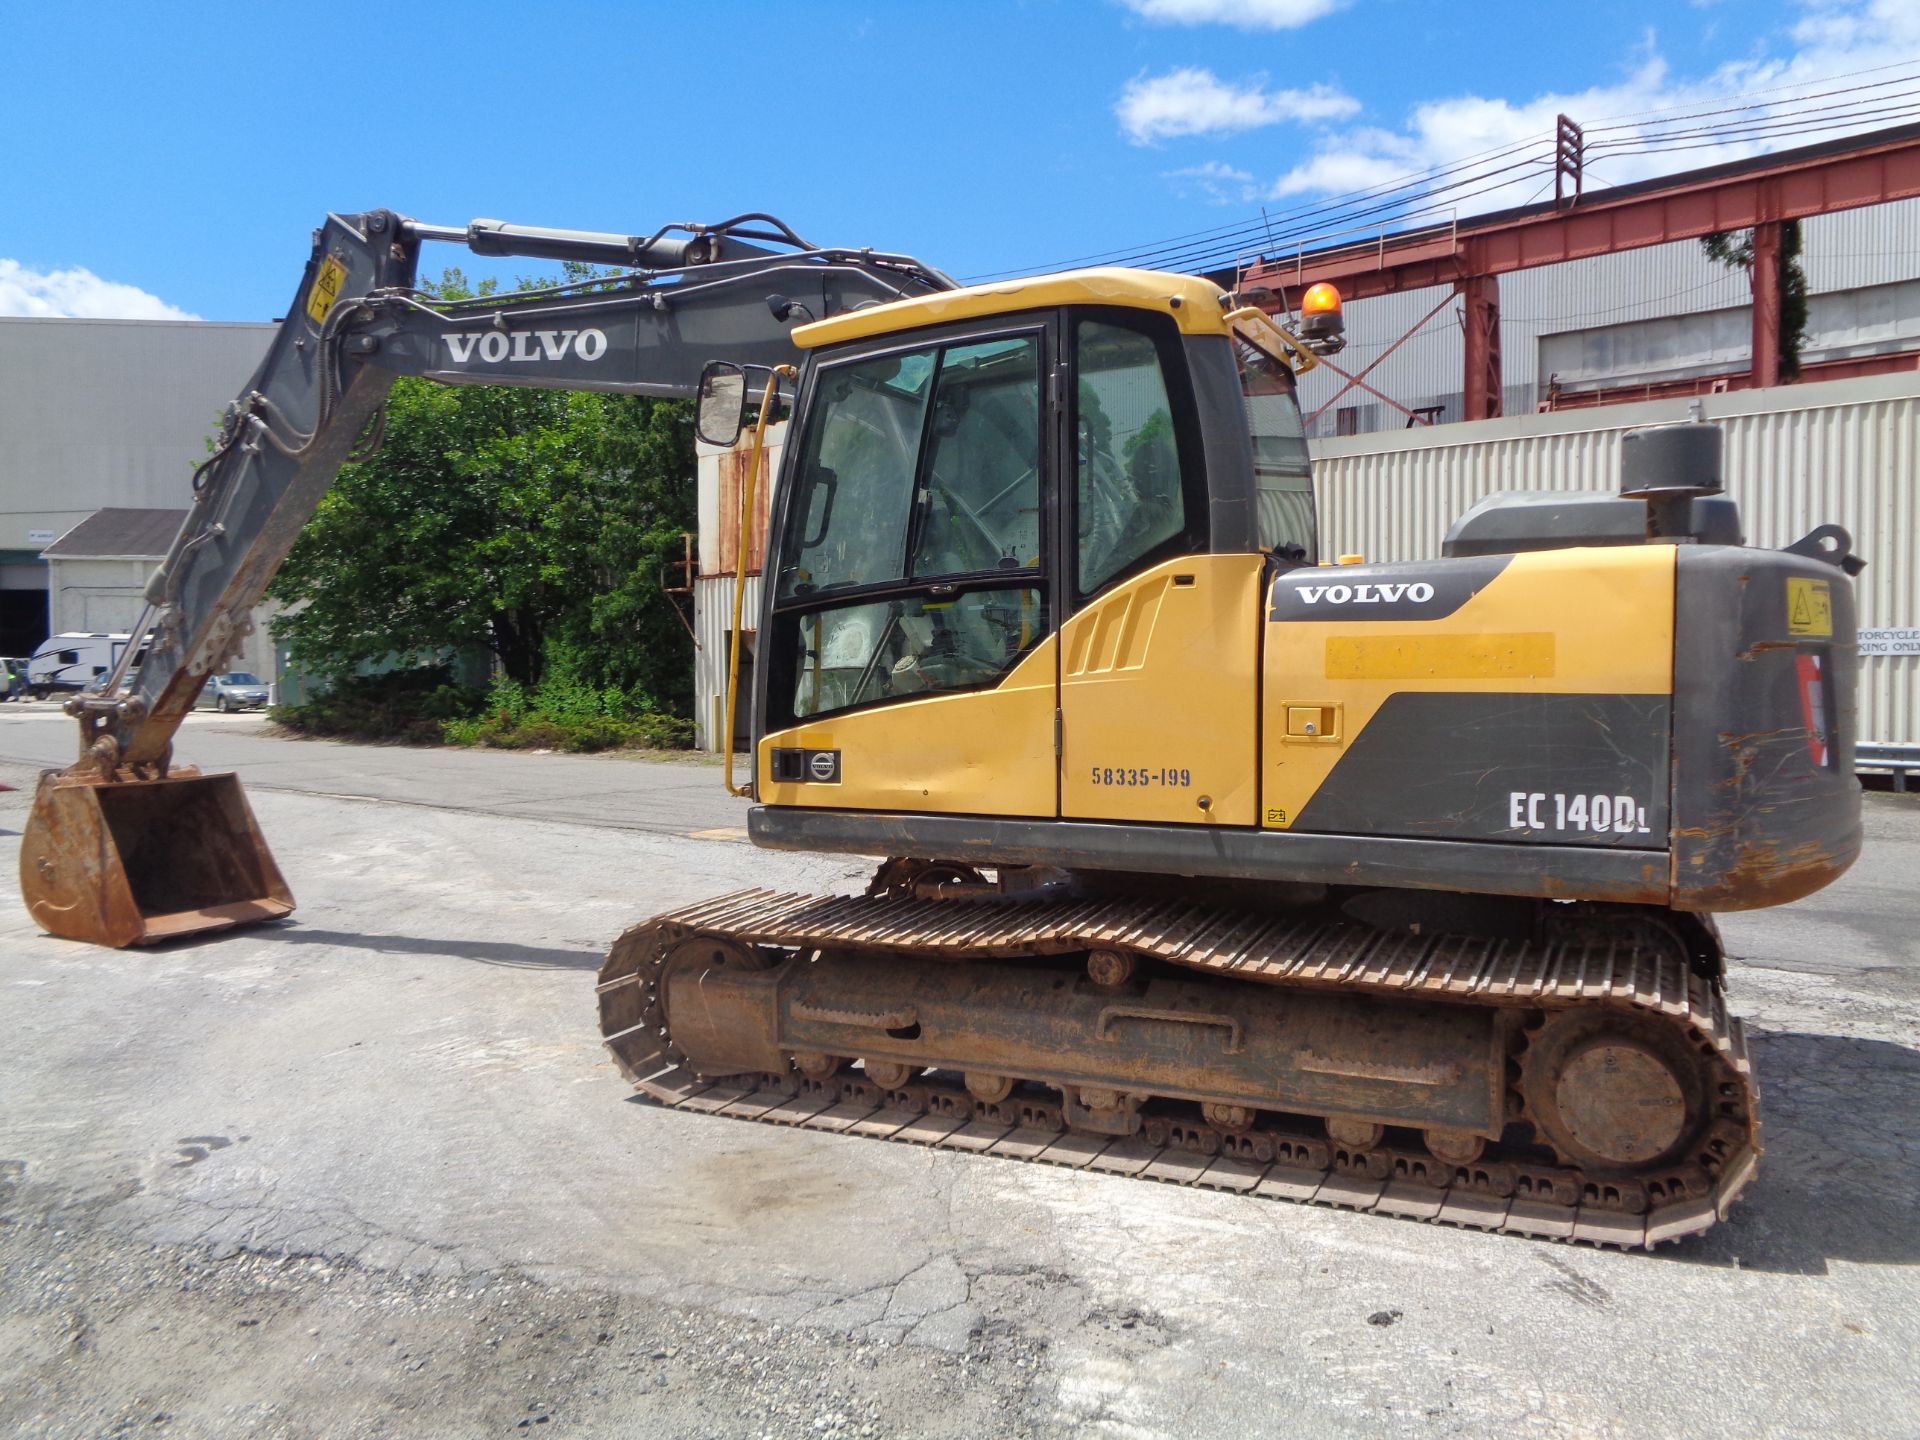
[1591, 1089]
[130, 861]
[1761, 874]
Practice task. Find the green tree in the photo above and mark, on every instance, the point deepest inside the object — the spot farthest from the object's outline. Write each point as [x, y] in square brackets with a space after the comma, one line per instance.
[530, 523]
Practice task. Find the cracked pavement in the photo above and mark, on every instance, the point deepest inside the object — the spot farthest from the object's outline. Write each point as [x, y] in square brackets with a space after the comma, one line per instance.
[233, 1170]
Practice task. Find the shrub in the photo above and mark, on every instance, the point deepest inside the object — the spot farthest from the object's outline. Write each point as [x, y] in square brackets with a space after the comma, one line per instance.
[565, 714]
[425, 707]
[410, 706]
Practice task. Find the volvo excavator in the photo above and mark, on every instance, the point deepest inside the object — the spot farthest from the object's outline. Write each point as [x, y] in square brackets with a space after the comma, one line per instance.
[1386, 886]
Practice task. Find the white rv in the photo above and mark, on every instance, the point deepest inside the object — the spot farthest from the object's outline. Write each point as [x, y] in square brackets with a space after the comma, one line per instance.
[73, 661]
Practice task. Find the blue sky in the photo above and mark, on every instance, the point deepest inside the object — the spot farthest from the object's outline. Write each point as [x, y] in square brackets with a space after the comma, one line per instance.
[173, 159]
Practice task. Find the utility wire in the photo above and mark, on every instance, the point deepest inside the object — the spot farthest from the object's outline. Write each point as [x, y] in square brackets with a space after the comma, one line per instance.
[1409, 198]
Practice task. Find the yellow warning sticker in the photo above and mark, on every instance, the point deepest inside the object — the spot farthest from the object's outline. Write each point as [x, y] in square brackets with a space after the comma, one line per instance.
[326, 289]
[1809, 607]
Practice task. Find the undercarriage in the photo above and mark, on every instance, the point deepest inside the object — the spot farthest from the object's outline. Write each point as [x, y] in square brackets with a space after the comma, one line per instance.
[1582, 1082]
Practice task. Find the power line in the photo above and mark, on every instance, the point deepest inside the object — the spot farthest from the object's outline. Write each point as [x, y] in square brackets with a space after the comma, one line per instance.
[1410, 197]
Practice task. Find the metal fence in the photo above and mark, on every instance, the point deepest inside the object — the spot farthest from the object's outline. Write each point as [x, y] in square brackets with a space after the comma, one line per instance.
[1797, 456]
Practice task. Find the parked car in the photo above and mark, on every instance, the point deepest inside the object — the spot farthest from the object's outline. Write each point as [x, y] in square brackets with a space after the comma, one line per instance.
[235, 690]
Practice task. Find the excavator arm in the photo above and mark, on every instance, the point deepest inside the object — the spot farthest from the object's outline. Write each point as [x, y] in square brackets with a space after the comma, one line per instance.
[112, 854]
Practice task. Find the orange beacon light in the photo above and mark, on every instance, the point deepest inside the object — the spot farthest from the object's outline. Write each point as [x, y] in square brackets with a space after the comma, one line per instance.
[1320, 312]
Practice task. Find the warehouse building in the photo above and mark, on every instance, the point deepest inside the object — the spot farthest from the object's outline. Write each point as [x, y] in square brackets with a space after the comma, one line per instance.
[101, 425]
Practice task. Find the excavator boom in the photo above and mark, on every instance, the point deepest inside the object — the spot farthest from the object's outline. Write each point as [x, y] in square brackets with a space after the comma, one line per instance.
[122, 847]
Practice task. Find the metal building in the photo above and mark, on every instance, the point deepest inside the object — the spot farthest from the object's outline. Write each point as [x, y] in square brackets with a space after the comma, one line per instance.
[101, 415]
[97, 578]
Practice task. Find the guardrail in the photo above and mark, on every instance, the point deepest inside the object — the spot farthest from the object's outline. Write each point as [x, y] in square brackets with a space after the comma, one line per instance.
[1902, 760]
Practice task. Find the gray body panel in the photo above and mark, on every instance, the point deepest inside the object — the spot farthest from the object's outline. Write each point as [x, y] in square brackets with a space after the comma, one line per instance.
[1459, 765]
[1484, 867]
[1765, 807]
[1516, 520]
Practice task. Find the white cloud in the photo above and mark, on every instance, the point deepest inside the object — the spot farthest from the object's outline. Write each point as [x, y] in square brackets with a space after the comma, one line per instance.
[1827, 49]
[78, 294]
[1192, 101]
[1220, 183]
[1243, 14]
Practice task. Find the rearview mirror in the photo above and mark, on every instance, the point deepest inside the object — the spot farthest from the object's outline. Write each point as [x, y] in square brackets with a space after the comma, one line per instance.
[723, 403]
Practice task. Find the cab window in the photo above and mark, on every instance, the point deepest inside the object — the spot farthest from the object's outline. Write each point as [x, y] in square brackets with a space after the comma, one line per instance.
[912, 538]
[1282, 473]
[920, 464]
[1128, 495]
[912, 645]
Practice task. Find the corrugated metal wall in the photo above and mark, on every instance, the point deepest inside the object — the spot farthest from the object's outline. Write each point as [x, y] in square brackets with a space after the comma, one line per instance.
[1846, 452]
[719, 476]
[713, 629]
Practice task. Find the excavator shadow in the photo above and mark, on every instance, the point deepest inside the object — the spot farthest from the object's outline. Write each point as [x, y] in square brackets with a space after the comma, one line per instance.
[484, 952]
[1840, 1178]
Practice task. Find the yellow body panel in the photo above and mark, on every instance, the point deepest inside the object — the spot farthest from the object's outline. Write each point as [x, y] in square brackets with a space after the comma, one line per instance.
[1159, 692]
[1582, 621]
[976, 752]
[1193, 303]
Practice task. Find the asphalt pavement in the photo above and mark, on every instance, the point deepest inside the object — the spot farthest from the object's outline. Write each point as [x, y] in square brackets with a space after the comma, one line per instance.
[369, 1172]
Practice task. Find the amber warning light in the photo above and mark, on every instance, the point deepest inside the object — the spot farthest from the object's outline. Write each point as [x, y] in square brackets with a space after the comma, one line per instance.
[1320, 313]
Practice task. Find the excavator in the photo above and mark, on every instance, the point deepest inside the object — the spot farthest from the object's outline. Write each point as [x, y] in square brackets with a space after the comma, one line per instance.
[1387, 886]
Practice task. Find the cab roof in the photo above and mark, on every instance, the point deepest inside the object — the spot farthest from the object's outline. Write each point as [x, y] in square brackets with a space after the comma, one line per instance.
[1194, 303]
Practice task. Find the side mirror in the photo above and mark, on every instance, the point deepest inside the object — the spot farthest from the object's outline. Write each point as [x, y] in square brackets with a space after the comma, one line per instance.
[723, 403]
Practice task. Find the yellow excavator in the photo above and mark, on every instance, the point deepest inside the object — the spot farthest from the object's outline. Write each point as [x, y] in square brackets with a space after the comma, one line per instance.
[1387, 886]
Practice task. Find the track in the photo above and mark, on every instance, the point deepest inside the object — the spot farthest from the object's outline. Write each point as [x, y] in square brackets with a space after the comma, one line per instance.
[1526, 1191]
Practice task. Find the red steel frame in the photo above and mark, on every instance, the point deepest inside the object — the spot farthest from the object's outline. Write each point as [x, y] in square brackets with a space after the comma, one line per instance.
[1756, 194]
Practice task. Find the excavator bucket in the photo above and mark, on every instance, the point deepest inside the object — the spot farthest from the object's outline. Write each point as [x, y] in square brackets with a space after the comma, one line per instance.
[132, 862]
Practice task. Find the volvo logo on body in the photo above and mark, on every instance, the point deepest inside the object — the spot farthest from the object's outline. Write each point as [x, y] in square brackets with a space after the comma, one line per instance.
[1431, 591]
[496, 347]
[1367, 593]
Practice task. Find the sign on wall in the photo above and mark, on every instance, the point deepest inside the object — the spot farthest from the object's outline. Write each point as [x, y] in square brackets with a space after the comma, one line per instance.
[40, 537]
[1904, 641]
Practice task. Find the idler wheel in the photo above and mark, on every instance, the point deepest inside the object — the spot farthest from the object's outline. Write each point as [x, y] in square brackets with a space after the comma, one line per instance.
[1109, 968]
[1355, 1134]
[713, 952]
[1456, 1147]
[692, 958]
[817, 1066]
[987, 1088]
[1612, 1092]
[888, 1074]
[1234, 1119]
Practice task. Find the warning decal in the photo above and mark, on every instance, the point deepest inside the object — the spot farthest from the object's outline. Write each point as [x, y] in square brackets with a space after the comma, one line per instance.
[1809, 607]
[326, 289]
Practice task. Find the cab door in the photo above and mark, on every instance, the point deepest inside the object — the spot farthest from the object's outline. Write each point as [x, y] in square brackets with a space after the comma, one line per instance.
[1159, 660]
[911, 660]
